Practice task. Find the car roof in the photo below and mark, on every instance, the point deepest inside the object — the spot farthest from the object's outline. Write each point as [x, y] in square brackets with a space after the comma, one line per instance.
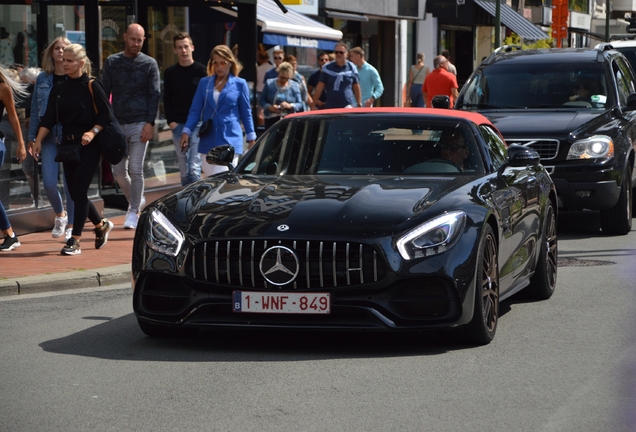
[566, 55]
[432, 112]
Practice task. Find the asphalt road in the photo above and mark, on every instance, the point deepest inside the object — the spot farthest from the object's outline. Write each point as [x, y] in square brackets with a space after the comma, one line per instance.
[77, 361]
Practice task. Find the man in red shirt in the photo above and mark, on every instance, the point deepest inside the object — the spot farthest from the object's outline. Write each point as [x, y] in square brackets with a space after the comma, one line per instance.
[440, 82]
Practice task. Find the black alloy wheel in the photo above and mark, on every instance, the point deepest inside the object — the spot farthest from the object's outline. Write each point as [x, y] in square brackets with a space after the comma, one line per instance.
[543, 282]
[482, 328]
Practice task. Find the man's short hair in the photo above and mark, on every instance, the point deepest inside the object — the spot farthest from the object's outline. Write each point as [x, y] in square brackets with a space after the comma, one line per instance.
[357, 50]
[446, 54]
[180, 36]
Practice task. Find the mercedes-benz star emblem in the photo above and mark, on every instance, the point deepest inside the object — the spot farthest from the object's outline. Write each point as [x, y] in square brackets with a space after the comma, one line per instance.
[279, 265]
[283, 227]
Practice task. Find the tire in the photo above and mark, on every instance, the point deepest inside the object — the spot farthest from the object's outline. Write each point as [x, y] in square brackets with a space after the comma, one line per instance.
[618, 219]
[543, 281]
[158, 330]
[482, 328]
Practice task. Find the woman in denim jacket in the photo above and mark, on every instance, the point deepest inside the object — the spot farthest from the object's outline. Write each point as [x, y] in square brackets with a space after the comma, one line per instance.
[53, 74]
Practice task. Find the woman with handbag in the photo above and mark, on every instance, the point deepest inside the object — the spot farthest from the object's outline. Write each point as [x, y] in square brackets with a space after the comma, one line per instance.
[9, 88]
[417, 74]
[71, 104]
[221, 103]
[51, 75]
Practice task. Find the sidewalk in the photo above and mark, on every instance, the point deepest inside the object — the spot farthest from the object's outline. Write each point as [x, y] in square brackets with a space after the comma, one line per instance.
[38, 266]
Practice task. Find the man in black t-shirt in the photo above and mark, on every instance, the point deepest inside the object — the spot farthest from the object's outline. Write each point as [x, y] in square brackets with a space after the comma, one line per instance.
[314, 79]
[180, 84]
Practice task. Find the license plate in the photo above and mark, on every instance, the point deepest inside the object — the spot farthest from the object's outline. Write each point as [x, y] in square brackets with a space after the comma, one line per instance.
[291, 303]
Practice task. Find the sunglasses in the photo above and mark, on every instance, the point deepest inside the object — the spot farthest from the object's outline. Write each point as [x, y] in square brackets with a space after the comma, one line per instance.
[340, 52]
[220, 63]
[278, 58]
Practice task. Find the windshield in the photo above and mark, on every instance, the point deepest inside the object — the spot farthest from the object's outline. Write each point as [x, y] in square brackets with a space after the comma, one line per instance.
[509, 86]
[363, 145]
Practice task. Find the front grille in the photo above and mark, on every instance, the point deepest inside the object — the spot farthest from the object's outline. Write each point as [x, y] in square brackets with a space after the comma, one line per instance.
[547, 148]
[322, 264]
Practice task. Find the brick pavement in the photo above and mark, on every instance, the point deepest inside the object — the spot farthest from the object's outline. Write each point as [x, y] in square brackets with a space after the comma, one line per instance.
[40, 253]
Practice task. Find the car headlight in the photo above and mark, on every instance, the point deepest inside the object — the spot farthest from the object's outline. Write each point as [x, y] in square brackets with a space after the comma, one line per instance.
[598, 146]
[163, 236]
[434, 237]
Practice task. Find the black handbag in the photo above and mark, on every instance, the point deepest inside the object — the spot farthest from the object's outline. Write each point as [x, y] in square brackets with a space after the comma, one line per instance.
[205, 128]
[112, 141]
[70, 151]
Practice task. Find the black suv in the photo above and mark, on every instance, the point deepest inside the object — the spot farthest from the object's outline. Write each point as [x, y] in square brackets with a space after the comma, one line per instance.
[577, 108]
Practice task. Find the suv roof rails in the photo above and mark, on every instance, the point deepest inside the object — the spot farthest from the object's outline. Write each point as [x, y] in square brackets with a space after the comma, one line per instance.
[604, 46]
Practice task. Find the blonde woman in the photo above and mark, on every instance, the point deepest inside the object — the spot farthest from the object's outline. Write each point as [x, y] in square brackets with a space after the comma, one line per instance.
[417, 73]
[53, 74]
[8, 88]
[72, 103]
[224, 98]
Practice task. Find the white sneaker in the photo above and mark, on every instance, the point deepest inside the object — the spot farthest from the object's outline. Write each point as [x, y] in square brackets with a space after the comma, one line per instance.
[60, 226]
[68, 234]
[142, 204]
[131, 220]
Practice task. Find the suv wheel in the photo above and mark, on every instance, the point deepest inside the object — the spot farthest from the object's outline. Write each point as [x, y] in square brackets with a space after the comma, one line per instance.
[618, 219]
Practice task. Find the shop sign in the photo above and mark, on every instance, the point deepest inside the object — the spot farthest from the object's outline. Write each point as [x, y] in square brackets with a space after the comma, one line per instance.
[307, 7]
[297, 41]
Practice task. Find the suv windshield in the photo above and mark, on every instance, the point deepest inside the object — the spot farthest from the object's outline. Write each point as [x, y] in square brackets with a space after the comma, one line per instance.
[365, 145]
[537, 85]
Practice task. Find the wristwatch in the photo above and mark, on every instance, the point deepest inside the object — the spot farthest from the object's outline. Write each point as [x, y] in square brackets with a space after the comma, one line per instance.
[95, 130]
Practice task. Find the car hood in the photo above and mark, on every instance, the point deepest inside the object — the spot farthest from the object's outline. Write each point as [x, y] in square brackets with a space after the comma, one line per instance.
[540, 122]
[252, 205]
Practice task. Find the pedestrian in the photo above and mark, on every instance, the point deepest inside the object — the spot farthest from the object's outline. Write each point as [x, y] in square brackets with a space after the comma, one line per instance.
[8, 88]
[314, 78]
[340, 78]
[440, 82]
[451, 67]
[132, 78]
[52, 74]
[281, 95]
[262, 66]
[179, 85]
[221, 100]
[72, 105]
[302, 84]
[370, 82]
[417, 74]
[279, 57]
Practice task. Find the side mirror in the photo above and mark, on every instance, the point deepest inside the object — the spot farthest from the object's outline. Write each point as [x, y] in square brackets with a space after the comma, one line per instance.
[631, 102]
[520, 156]
[221, 155]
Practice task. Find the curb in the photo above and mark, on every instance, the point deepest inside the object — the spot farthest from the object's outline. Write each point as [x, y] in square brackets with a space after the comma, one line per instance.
[66, 281]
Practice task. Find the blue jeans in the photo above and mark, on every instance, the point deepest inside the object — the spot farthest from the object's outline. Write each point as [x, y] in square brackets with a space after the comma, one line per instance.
[416, 95]
[50, 175]
[190, 160]
[4, 219]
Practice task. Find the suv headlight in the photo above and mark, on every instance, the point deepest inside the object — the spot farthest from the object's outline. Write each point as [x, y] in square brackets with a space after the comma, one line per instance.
[433, 237]
[598, 146]
[163, 236]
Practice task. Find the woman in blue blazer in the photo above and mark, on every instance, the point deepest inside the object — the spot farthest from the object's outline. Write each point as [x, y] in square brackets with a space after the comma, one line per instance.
[224, 98]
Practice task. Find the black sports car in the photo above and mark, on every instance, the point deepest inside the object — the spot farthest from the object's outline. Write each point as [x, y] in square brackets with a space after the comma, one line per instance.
[367, 219]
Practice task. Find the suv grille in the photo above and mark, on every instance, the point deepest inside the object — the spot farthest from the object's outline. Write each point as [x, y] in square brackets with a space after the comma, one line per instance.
[547, 148]
[321, 263]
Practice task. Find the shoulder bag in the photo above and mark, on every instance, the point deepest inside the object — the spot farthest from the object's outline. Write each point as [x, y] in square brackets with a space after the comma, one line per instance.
[71, 150]
[112, 141]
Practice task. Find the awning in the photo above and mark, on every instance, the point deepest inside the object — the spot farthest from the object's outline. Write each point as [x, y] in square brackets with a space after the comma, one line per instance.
[513, 20]
[291, 28]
